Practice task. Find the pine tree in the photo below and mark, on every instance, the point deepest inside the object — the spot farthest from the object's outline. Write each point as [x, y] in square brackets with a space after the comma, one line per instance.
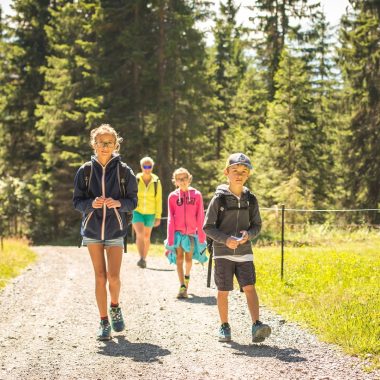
[291, 150]
[277, 20]
[23, 52]
[70, 107]
[360, 39]
[229, 67]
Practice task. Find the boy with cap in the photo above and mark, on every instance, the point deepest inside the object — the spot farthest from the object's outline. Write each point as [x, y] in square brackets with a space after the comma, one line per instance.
[231, 221]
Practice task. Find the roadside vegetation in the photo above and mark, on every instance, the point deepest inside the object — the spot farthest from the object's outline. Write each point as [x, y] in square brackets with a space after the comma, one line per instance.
[14, 257]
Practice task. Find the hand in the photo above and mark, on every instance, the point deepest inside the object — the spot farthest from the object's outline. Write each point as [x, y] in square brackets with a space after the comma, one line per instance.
[231, 243]
[244, 237]
[112, 203]
[98, 202]
[157, 222]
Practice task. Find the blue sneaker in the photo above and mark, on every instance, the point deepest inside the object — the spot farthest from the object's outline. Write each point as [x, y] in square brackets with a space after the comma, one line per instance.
[260, 331]
[104, 332]
[225, 333]
[117, 321]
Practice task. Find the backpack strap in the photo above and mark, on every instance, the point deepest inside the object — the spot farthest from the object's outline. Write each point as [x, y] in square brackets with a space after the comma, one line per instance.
[122, 173]
[221, 209]
[155, 184]
[87, 172]
[252, 201]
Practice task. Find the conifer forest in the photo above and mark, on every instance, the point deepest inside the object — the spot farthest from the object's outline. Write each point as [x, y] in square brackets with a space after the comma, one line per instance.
[299, 96]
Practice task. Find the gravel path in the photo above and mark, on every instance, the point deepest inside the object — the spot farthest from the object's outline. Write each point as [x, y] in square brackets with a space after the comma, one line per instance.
[49, 321]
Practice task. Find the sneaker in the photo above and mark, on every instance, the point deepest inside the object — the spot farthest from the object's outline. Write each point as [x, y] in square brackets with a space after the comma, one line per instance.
[117, 321]
[182, 292]
[225, 333]
[260, 331]
[141, 263]
[104, 332]
[187, 280]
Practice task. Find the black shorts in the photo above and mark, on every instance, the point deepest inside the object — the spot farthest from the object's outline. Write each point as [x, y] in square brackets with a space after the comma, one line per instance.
[226, 269]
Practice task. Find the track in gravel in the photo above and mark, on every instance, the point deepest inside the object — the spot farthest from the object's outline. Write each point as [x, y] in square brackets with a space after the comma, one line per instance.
[49, 321]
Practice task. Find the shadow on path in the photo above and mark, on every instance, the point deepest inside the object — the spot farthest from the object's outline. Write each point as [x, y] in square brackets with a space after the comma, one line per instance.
[160, 270]
[262, 350]
[138, 352]
[209, 300]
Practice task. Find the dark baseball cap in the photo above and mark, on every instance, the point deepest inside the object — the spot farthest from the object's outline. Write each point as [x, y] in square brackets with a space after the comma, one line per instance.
[239, 159]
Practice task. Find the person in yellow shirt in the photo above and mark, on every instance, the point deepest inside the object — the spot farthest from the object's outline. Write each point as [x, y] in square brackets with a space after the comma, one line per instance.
[149, 208]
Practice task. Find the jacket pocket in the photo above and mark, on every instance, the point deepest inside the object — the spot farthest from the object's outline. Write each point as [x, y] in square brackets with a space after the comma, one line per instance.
[119, 218]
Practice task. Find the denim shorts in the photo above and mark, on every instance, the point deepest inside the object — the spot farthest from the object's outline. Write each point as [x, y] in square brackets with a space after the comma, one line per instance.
[146, 219]
[118, 242]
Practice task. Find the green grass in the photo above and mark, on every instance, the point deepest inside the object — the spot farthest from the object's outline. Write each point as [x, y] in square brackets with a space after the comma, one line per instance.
[15, 256]
[332, 289]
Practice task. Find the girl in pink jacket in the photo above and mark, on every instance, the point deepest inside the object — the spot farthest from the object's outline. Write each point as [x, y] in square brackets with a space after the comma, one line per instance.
[185, 237]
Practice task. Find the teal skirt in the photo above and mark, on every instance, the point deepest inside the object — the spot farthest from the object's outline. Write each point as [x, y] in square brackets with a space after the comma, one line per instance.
[181, 240]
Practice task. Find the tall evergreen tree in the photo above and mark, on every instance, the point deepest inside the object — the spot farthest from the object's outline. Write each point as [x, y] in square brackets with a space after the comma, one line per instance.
[229, 66]
[23, 52]
[276, 20]
[71, 106]
[360, 38]
[292, 152]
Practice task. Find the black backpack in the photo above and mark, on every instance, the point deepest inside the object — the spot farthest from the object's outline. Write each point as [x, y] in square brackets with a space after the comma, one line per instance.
[221, 198]
[122, 173]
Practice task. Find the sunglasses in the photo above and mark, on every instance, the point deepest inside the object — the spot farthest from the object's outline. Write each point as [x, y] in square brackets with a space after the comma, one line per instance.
[105, 144]
[147, 166]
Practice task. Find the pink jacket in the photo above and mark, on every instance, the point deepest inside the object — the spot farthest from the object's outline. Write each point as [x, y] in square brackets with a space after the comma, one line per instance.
[185, 214]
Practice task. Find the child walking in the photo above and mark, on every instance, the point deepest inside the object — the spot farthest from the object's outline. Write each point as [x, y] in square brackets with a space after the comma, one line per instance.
[104, 190]
[185, 236]
[231, 221]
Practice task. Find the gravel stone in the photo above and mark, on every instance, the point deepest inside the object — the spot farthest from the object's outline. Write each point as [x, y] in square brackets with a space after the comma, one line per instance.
[49, 324]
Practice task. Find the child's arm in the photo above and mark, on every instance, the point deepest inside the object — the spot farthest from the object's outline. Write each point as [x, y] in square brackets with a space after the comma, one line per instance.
[255, 222]
[129, 203]
[81, 201]
[171, 226]
[200, 220]
[209, 226]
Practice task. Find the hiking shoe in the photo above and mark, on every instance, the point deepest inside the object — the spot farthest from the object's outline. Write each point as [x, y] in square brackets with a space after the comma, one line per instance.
[225, 333]
[104, 332]
[117, 321]
[182, 292]
[187, 280]
[141, 263]
[260, 331]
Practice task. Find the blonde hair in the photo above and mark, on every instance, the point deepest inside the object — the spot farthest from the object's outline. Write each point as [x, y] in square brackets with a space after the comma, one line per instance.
[146, 159]
[181, 171]
[103, 129]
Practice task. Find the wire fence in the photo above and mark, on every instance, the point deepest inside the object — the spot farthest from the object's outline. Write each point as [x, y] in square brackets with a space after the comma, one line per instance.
[297, 227]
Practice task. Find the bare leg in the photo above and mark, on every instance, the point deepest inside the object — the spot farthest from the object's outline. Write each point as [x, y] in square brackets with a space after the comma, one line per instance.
[147, 233]
[114, 258]
[181, 276]
[223, 305]
[252, 302]
[98, 261]
[189, 257]
[139, 230]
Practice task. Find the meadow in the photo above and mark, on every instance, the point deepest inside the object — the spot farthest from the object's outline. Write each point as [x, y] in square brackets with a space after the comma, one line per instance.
[15, 255]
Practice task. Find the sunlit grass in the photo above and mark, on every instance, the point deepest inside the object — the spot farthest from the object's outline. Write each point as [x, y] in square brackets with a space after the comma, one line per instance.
[15, 256]
[334, 290]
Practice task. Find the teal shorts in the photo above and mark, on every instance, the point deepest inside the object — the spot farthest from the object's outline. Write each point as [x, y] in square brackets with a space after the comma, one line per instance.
[146, 219]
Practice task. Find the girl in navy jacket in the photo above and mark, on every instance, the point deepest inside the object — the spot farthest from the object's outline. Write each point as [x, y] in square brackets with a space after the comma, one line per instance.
[104, 190]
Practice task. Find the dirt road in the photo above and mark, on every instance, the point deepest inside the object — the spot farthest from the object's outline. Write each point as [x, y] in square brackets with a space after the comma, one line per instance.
[49, 322]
